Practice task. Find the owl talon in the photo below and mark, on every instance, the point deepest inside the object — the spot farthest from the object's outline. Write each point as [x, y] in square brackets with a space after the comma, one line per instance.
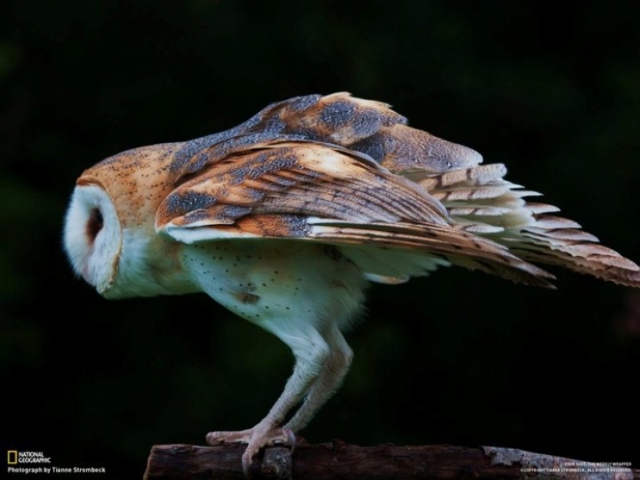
[289, 440]
[226, 438]
[256, 439]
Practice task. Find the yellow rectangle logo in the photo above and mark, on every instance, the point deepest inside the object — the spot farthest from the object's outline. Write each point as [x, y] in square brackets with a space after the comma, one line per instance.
[12, 457]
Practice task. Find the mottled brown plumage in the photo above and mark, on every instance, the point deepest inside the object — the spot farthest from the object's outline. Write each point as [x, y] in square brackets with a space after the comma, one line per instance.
[322, 156]
[283, 218]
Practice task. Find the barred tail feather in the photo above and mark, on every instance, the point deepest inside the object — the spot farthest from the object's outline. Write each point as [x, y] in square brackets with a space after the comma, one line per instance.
[483, 202]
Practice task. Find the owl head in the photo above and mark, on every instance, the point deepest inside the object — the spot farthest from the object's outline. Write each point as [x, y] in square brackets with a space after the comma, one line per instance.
[109, 232]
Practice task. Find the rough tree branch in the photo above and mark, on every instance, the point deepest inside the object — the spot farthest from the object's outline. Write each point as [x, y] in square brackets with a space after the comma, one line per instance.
[340, 460]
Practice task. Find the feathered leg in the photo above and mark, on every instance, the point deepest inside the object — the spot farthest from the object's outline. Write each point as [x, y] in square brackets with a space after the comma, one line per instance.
[311, 355]
[325, 385]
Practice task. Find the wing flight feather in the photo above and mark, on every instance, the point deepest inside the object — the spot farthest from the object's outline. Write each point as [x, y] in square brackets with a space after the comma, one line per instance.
[350, 172]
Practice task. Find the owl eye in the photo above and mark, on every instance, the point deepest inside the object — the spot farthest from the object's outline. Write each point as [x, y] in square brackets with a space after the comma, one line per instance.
[94, 224]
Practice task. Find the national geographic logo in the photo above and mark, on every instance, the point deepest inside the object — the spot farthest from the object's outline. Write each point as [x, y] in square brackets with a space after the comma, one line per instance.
[30, 462]
[15, 457]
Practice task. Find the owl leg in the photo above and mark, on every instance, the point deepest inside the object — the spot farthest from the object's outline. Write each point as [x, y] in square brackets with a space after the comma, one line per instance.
[326, 384]
[311, 353]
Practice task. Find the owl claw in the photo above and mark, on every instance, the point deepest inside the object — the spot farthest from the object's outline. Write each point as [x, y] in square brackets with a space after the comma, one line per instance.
[225, 438]
[256, 438]
[290, 439]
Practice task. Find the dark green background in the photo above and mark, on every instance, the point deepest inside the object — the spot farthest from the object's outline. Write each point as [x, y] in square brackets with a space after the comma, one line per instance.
[550, 88]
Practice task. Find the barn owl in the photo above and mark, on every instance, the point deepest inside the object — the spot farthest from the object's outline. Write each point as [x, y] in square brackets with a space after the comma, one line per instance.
[287, 217]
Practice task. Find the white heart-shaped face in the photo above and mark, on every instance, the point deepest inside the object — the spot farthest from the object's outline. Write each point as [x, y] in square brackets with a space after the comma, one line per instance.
[93, 236]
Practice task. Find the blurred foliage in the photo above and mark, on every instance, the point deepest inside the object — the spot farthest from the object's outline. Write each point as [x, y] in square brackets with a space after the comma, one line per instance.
[553, 90]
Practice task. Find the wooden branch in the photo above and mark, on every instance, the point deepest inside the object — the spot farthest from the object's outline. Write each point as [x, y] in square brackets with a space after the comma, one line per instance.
[340, 460]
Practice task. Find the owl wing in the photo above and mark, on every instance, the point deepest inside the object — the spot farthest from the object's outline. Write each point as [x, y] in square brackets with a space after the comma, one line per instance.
[364, 126]
[351, 172]
[313, 191]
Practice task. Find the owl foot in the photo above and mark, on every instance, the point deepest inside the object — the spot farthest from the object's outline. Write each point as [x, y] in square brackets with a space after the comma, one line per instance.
[256, 438]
